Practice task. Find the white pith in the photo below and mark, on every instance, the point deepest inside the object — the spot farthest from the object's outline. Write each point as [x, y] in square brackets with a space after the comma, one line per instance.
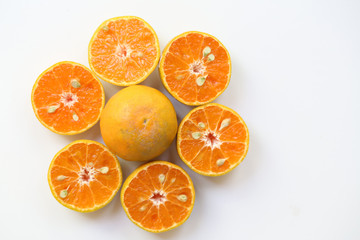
[65, 96]
[157, 202]
[91, 174]
[215, 144]
[200, 64]
[119, 50]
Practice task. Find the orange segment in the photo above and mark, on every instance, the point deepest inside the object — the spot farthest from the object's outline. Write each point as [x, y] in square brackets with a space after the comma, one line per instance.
[213, 114]
[195, 42]
[65, 160]
[175, 179]
[109, 180]
[152, 219]
[158, 196]
[191, 148]
[138, 185]
[145, 179]
[181, 50]
[84, 176]
[165, 217]
[156, 170]
[78, 153]
[233, 151]
[139, 215]
[190, 127]
[86, 199]
[134, 197]
[60, 170]
[177, 212]
[101, 193]
[188, 93]
[124, 50]
[218, 154]
[212, 139]
[173, 196]
[195, 68]
[236, 133]
[67, 98]
[202, 159]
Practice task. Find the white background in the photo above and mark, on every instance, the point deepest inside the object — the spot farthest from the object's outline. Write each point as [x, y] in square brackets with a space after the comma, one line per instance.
[295, 81]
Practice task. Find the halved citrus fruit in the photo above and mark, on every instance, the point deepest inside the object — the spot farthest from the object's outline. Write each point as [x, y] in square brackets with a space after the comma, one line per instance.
[195, 68]
[158, 196]
[67, 98]
[212, 139]
[84, 176]
[124, 50]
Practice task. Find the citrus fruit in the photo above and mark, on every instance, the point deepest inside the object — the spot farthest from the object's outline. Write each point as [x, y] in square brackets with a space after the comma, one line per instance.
[124, 50]
[212, 139]
[158, 196]
[84, 176]
[67, 98]
[138, 123]
[195, 68]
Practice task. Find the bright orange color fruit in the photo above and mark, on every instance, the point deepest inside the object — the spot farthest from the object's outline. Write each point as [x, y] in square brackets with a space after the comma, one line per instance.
[124, 50]
[84, 176]
[67, 98]
[138, 123]
[195, 68]
[212, 139]
[158, 196]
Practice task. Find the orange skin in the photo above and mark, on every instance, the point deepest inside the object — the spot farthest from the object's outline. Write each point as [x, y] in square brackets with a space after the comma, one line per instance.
[138, 123]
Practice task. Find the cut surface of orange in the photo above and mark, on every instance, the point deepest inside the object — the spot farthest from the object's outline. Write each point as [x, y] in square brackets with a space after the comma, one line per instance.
[195, 68]
[212, 139]
[124, 50]
[158, 196]
[67, 98]
[84, 176]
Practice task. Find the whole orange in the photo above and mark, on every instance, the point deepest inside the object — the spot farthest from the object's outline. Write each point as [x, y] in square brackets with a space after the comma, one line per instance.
[138, 123]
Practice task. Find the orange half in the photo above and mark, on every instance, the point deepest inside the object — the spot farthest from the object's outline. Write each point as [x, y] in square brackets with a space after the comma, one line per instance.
[67, 98]
[124, 50]
[212, 139]
[195, 68]
[158, 196]
[84, 176]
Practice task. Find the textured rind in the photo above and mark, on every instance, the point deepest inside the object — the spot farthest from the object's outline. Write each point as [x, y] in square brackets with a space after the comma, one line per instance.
[211, 174]
[72, 207]
[120, 129]
[133, 174]
[124, 83]
[162, 73]
[50, 127]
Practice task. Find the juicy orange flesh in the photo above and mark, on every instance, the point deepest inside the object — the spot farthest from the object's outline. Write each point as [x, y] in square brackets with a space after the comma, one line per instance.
[203, 156]
[55, 85]
[123, 51]
[146, 184]
[85, 191]
[179, 67]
